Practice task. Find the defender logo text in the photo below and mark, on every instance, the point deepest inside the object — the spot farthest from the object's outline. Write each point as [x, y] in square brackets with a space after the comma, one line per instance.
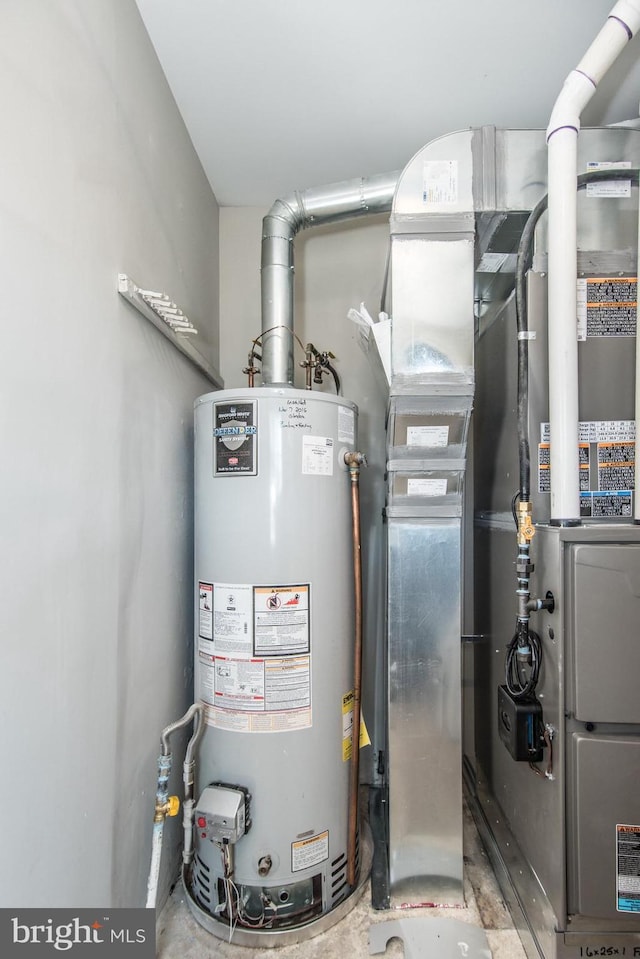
[67, 935]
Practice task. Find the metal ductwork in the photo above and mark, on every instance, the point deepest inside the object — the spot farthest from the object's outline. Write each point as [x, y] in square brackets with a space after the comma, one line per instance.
[315, 207]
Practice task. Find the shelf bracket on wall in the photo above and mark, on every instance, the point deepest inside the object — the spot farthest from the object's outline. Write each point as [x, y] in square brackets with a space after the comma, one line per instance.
[170, 320]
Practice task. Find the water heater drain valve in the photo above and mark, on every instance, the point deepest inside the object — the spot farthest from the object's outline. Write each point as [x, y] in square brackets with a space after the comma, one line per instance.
[222, 814]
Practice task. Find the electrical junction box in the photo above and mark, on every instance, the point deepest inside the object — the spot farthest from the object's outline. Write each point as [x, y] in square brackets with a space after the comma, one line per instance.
[520, 725]
[222, 813]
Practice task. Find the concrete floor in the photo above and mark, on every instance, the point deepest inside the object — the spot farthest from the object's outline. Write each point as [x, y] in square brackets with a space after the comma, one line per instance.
[180, 936]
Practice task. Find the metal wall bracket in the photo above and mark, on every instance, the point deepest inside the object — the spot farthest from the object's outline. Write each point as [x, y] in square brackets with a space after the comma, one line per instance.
[170, 320]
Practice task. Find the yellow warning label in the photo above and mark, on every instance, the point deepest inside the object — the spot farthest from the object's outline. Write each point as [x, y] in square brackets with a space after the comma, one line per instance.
[347, 727]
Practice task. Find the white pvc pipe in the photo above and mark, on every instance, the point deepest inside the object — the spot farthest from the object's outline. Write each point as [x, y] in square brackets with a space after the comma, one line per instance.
[562, 138]
[563, 343]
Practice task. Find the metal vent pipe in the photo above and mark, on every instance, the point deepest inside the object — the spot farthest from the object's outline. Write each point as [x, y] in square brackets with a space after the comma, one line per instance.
[314, 207]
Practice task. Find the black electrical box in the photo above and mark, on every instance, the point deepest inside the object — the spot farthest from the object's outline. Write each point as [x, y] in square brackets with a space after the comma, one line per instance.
[520, 726]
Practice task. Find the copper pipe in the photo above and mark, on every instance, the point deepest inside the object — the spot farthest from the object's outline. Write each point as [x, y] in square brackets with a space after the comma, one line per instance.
[354, 461]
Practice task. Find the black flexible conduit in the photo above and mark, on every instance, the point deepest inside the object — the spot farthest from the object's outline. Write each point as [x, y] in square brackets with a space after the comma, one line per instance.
[525, 257]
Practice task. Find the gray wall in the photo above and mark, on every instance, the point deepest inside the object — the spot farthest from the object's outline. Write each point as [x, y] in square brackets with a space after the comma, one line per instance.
[98, 176]
[336, 268]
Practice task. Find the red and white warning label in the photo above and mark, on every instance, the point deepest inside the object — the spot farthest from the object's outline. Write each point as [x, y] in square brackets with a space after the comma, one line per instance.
[239, 683]
[281, 623]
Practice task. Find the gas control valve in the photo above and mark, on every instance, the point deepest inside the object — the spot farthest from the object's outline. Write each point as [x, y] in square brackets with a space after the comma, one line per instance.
[222, 814]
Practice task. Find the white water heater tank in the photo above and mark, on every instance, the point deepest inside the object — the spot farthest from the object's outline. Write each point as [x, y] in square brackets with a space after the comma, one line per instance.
[273, 660]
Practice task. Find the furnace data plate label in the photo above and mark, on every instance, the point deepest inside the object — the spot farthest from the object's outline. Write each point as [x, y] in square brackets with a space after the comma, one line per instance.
[598, 431]
[544, 467]
[309, 852]
[607, 306]
[234, 439]
[596, 505]
[607, 453]
[616, 466]
[317, 456]
[628, 868]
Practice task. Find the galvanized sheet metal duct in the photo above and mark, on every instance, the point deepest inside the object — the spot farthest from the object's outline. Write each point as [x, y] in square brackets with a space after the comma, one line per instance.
[314, 207]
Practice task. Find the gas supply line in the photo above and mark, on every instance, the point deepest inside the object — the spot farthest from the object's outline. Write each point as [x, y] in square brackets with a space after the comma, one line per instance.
[166, 805]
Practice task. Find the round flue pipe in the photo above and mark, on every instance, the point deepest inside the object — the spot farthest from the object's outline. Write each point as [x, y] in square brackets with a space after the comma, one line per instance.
[562, 139]
[315, 207]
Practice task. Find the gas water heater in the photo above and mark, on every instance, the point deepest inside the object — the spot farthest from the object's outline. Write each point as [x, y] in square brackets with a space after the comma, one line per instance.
[274, 661]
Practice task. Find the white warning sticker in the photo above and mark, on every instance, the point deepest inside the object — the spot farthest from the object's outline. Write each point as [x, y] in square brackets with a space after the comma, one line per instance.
[317, 456]
[206, 677]
[205, 607]
[309, 852]
[621, 187]
[288, 683]
[239, 683]
[233, 619]
[432, 436]
[440, 181]
[257, 722]
[427, 486]
[346, 425]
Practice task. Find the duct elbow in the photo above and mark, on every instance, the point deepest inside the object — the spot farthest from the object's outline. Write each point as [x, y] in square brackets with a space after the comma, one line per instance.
[285, 218]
